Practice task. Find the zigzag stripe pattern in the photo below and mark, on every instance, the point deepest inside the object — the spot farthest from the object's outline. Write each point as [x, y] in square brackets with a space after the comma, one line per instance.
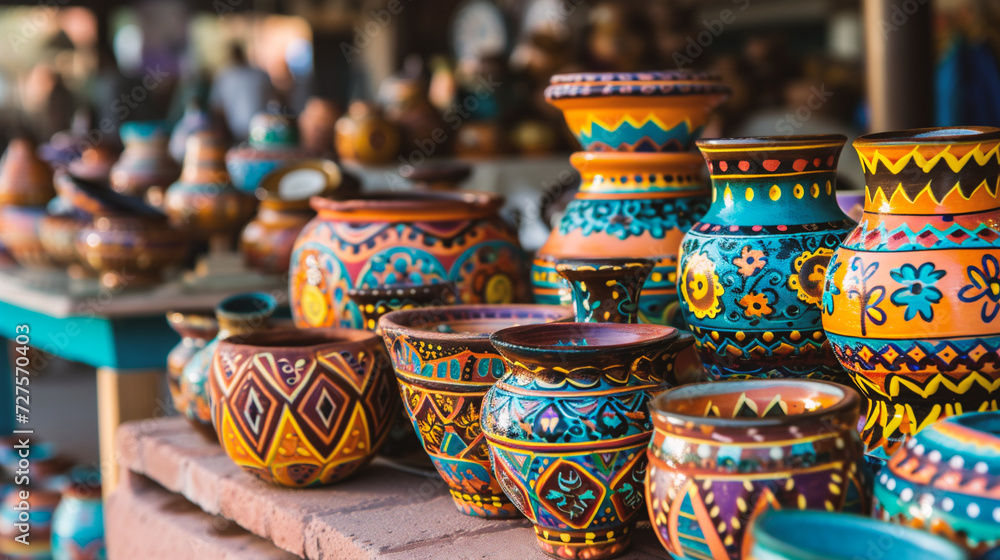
[904, 238]
[955, 162]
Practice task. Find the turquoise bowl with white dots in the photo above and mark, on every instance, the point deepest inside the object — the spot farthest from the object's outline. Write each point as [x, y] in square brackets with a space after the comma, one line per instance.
[946, 480]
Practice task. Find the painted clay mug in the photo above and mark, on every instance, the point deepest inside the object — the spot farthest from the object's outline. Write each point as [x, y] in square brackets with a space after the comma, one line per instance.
[752, 269]
[568, 426]
[302, 408]
[913, 293]
[945, 480]
[605, 290]
[724, 452]
[382, 240]
[811, 535]
[239, 315]
[444, 364]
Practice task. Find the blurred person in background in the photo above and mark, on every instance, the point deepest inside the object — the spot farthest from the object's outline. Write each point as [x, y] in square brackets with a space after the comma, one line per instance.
[239, 91]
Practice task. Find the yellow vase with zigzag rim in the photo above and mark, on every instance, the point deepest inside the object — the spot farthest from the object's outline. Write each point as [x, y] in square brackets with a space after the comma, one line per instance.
[912, 296]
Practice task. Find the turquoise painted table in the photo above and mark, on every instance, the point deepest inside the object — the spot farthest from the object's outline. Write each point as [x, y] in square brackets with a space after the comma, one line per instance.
[124, 334]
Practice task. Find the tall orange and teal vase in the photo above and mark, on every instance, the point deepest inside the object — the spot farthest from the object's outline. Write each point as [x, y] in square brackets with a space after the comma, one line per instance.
[912, 296]
[752, 270]
[642, 184]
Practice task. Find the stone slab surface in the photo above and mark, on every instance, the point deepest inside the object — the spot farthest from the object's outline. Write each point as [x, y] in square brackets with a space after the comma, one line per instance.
[383, 512]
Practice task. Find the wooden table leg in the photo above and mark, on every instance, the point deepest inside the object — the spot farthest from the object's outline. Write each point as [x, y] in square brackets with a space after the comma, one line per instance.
[123, 395]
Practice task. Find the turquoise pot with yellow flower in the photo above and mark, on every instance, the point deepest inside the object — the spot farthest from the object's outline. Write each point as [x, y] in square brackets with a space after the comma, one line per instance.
[752, 269]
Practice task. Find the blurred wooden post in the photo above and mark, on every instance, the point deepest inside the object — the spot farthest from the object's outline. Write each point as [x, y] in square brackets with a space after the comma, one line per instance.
[899, 63]
[123, 395]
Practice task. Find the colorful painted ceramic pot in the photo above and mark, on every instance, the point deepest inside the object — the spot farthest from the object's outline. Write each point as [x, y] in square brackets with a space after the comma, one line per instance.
[316, 122]
[912, 294]
[637, 111]
[39, 505]
[726, 451]
[78, 525]
[444, 364]
[21, 235]
[567, 428]
[146, 163]
[946, 480]
[273, 143]
[266, 242]
[605, 290]
[237, 316]
[302, 407]
[628, 205]
[375, 303]
[196, 329]
[58, 233]
[25, 179]
[130, 251]
[382, 240]
[751, 270]
[365, 136]
[195, 119]
[815, 535]
[94, 163]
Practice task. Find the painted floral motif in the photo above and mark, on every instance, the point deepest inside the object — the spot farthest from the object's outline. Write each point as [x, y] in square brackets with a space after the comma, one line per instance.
[701, 287]
[750, 261]
[831, 289]
[869, 296]
[756, 304]
[808, 274]
[984, 282]
[918, 293]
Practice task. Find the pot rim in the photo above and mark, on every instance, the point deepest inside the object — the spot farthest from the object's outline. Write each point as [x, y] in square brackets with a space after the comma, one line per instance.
[647, 76]
[662, 93]
[659, 411]
[788, 142]
[273, 339]
[929, 136]
[225, 311]
[786, 519]
[401, 322]
[507, 340]
[410, 206]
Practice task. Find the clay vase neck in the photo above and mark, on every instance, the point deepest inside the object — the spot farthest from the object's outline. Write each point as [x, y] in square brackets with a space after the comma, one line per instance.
[612, 175]
[416, 207]
[755, 182]
[243, 314]
[605, 290]
[929, 172]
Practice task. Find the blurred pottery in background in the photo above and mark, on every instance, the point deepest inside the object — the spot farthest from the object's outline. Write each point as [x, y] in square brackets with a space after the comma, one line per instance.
[145, 168]
[78, 524]
[204, 202]
[809, 535]
[95, 163]
[568, 427]
[382, 240]
[752, 269]
[403, 97]
[25, 180]
[130, 251]
[605, 290]
[237, 316]
[365, 136]
[195, 119]
[724, 452]
[444, 364]
[196, 329]
[945, 480]
[480, 139]
[21, 235]
[437, 176]
[912, 295]
[58, 233]
[302, 408]
[316, 122]
[533, 138]
[266, 242]
[42, 504]
[273, 143]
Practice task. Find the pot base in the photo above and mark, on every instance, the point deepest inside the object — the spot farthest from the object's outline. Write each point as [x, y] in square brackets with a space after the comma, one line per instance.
[487, 507]
[584, 545]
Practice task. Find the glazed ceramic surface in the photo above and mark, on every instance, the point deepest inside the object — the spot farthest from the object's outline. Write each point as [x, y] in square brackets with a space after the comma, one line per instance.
[567, 428]
[724, 452]
[821, 535]
[196, 329]
[25, 179]
[78, 525]
[58, 233]
[130, 251]
[444, 364]
[375, 303]
[637, 112]
[945, 480]
[364, 135]
[146, 162]
[633, 205]
[302, 407]
[382, 240]
[605, 290]
[913, 293]
[240, 316]
[273, 143]
[752, 269]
